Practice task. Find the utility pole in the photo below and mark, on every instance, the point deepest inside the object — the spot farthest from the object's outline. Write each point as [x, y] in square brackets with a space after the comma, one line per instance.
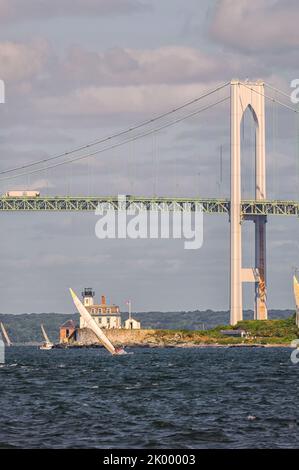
[129, 303]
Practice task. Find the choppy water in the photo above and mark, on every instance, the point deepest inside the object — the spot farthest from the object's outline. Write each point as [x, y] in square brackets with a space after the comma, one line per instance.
[154, 398]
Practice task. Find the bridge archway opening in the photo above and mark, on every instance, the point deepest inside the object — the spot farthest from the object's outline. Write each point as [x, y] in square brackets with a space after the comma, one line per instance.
[248, 131]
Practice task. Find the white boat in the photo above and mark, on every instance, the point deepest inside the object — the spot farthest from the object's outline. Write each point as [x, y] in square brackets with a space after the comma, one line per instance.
[5, 335]
[90, 322]
[46, 347]
[47, 344]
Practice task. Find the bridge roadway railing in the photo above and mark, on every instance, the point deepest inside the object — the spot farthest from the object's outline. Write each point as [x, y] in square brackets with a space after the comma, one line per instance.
[209, 206]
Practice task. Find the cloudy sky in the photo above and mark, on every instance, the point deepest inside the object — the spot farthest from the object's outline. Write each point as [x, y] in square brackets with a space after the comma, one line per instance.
[78, 70]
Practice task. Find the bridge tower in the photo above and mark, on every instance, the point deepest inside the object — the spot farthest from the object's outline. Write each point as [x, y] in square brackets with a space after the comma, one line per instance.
[247, 95]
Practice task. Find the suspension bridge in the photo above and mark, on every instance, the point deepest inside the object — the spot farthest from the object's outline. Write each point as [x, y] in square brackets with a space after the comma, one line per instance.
[242, 96]
[209, 206]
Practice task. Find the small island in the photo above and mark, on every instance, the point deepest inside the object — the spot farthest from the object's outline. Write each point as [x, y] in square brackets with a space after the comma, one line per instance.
[246, 333]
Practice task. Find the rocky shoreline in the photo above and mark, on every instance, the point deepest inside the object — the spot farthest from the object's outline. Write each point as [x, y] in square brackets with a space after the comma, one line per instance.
[173, 338]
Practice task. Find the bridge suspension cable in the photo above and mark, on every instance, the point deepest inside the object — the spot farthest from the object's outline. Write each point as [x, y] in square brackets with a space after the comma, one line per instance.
[296, 111]
[117, 144]
[118, 134]
[272, 99]
[277, 90]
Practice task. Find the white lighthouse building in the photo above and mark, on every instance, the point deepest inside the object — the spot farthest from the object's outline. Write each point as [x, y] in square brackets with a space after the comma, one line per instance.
[106, 316]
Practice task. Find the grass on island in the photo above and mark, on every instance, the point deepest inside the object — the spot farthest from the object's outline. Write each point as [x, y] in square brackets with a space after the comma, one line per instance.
[282, 332]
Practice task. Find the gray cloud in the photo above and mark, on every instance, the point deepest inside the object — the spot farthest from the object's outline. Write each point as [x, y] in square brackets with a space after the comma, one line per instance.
[21, 10]
[256, 25]
[80, 87]
[22, 62]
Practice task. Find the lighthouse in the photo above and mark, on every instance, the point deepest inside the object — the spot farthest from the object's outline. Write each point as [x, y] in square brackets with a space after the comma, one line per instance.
[88, 295]
[88, 302]
[105, 315]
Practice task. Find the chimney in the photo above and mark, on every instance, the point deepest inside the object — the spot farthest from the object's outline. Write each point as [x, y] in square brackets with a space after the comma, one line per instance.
[103, 300]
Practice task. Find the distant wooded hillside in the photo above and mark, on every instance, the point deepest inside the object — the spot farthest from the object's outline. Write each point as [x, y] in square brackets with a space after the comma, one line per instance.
[25, 328]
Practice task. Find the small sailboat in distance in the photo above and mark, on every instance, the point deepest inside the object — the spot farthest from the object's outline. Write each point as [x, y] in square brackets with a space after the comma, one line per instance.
[94, 327]
[47, 344]
[5, 335]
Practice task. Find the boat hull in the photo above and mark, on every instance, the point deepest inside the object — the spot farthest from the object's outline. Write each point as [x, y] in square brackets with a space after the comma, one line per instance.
[46, 347]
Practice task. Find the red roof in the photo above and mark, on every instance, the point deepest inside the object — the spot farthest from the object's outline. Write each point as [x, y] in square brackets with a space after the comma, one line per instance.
[69, 324]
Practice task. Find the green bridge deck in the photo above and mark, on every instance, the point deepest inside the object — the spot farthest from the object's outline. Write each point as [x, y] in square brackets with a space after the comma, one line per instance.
[209, 206]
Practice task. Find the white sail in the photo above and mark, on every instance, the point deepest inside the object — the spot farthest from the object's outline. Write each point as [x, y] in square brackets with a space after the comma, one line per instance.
[4, 332]
[92, 324]
[45, 335]
[296, 291]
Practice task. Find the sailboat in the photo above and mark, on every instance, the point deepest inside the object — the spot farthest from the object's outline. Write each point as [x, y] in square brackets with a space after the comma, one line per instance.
[90, 322]
[5, 335]
[47, 344]
[296, 294]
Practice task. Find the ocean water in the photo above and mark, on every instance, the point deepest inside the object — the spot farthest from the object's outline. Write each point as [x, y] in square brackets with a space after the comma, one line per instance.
[152, 398]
